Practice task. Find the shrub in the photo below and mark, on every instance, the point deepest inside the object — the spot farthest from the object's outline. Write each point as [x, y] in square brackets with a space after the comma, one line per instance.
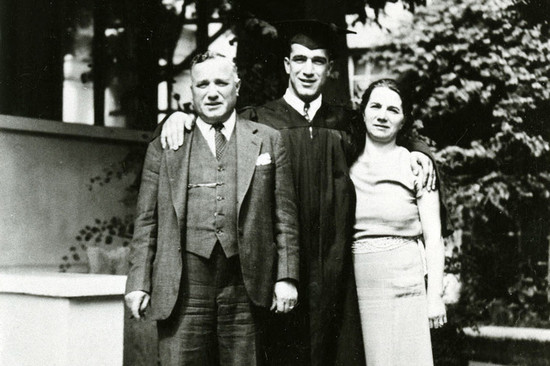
[479, 74]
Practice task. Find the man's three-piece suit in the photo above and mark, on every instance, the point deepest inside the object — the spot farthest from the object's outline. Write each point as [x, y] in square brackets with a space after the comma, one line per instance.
[196, 212]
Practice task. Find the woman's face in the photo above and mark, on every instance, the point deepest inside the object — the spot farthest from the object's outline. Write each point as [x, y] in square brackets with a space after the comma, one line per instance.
[383, 115]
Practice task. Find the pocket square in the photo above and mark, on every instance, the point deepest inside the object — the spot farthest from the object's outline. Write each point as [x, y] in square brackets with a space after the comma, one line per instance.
[263, 159]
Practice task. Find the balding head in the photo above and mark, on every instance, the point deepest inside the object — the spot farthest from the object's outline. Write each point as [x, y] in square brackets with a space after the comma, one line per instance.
[211, 55]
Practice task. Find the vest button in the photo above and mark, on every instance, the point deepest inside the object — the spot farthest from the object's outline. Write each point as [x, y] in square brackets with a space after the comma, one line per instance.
[219, 198]
[219, 231]
[220, 169]
[215, 214]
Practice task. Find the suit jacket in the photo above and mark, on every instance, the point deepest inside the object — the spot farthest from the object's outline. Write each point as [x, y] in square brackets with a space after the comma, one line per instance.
[266, 218]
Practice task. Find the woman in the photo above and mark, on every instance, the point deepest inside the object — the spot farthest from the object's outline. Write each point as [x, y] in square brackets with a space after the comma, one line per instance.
[393, 214]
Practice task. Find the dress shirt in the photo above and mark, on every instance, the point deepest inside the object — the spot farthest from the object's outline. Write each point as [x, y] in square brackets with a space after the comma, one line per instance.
[209, 132]
[298, 104]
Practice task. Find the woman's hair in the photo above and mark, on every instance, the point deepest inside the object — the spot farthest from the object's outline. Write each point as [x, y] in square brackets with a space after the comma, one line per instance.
[394, 86]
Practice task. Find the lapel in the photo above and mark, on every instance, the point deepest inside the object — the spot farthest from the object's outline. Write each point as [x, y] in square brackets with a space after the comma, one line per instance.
[177, 163]
[248, 150]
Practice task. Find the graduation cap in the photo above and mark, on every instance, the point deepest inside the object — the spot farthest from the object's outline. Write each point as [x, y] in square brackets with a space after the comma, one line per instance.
[311, 33]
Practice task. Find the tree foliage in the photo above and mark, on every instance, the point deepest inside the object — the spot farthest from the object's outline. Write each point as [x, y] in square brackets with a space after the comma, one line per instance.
[479, 72]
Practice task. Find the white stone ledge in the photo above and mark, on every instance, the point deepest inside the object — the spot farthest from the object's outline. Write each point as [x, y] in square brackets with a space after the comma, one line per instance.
[62, 319]
[75, 130]
[509, 333]
[65, 285]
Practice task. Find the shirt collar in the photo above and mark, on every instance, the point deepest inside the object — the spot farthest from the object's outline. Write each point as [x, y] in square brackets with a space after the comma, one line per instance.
[229, 126]
[298, 104]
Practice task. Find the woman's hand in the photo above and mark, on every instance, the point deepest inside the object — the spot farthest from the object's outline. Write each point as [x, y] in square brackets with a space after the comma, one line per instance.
[437, 314]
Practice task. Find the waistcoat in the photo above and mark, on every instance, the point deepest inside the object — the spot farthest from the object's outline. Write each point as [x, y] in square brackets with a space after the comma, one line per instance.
[212, 198]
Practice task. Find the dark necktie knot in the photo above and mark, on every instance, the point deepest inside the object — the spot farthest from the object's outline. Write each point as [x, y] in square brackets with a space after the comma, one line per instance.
[218, 126]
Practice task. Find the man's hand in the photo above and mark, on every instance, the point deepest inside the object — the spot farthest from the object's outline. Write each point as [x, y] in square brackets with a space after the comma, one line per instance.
[285, 297]
[171, 135]
[422, 166]
[137, 302]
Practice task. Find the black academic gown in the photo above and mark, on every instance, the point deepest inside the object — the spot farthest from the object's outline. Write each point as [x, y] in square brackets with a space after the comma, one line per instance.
[320, 162]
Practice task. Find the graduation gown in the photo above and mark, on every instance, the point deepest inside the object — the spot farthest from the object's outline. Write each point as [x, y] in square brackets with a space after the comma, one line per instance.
[320, 163]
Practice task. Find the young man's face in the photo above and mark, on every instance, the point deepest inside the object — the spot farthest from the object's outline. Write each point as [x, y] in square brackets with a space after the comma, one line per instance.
[215, 86]
[308, 71]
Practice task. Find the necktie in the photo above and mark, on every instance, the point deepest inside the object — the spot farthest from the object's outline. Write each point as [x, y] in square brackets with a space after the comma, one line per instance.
[220, 140]
[306, 110]
[306, 116]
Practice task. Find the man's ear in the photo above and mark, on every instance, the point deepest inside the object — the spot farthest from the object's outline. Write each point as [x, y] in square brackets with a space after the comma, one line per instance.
[330, 66]
[287, 65]
[238, 85]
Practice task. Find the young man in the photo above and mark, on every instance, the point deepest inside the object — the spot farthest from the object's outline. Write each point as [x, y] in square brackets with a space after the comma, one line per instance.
[216, 235]
[318, 138]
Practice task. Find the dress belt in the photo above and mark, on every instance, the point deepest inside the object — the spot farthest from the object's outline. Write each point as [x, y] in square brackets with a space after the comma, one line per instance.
[382, 243]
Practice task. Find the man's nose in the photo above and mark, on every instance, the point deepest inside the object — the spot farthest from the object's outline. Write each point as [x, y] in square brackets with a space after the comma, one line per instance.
[308, 67]
[212, 92]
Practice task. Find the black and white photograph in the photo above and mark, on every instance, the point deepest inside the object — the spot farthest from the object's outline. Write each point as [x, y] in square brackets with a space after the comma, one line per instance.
[275, 183]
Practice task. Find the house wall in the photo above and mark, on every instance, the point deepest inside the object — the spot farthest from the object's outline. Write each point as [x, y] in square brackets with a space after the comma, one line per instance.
[45, 200]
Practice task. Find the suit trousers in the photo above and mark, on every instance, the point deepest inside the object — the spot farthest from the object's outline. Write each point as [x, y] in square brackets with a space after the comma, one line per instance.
[213, 322]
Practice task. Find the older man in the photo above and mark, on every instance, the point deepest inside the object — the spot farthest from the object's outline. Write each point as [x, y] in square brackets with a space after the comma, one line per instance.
[324, 329]
[216, 231]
